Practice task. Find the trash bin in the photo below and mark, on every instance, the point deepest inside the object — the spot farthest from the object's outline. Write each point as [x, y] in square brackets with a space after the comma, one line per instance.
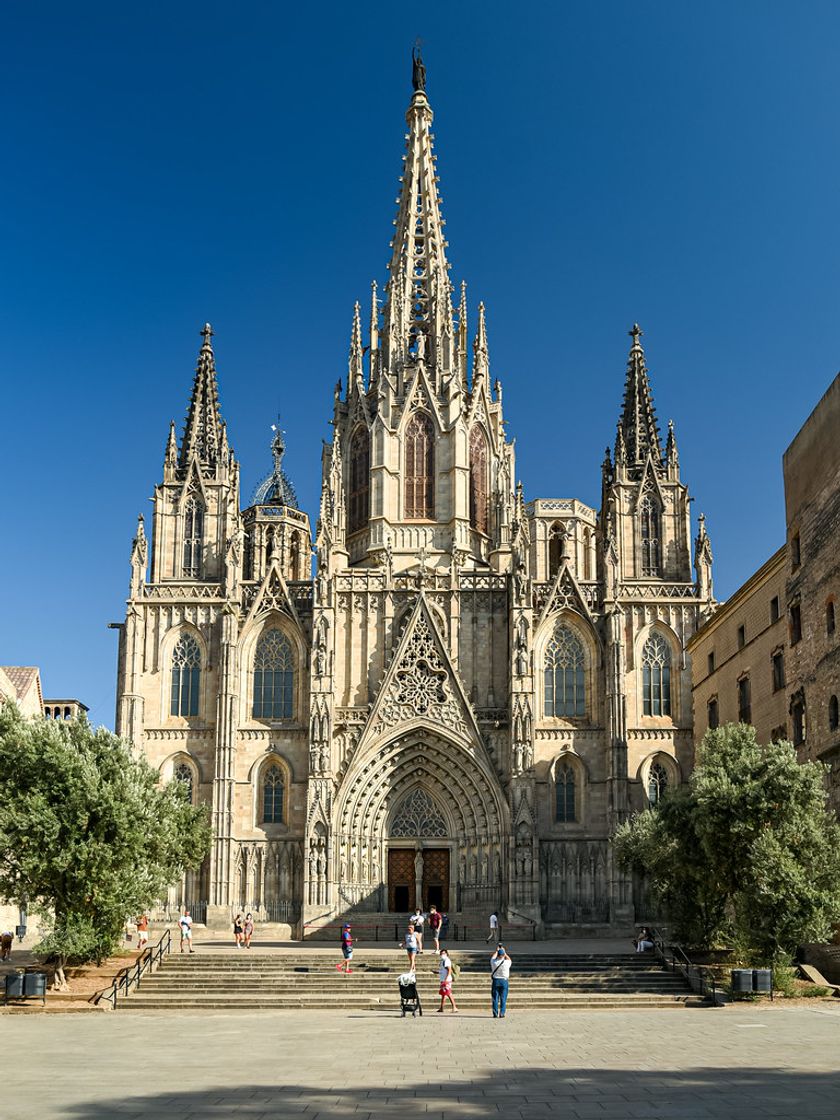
[762, 980]
[742, 981]
[14, 985]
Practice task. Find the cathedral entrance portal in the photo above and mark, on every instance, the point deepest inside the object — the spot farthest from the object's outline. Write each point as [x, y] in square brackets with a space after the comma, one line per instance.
[418, 871]
[401, 880]
[436, 878]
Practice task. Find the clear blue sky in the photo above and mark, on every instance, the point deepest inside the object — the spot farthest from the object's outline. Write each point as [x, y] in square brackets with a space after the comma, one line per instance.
[170, 163]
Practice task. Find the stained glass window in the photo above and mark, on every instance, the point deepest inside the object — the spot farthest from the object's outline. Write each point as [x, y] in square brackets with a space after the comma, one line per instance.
[657, 783]
[656, 676]
[565, 692]
[186, 676]
[273, 676]
[478, 481]
[273, 788]
[420, 467]
[565, 792]
[359, 496]
[183, 773]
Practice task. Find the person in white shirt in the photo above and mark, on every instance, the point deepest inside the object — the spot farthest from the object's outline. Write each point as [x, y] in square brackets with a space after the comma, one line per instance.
[495, 928]
[445, 977]
[185, 923]
[499, 972]
[418, 918]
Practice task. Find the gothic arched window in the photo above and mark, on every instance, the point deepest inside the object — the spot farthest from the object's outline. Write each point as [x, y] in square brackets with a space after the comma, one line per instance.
[358, 506]
[556, 546]
[657, 783]
[565, 693]
[649, 526]
[183, 773]
[273, 790]
[274, 676]
[656, 676]
[186, 676]
[565, 807]
[420, 467]
[479, 506]
[193, 537]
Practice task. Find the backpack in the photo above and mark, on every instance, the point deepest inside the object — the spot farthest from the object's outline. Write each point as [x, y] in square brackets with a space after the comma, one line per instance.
[456, 968]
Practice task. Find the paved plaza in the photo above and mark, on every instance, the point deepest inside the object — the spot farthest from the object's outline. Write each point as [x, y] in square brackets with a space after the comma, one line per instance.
[733, 1062]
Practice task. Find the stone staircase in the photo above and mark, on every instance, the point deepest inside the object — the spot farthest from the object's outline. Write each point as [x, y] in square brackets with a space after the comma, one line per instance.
[246, 980]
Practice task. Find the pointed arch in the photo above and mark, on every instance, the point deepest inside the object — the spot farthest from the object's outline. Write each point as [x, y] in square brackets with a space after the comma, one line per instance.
[659, 774]
[274, 676]
[556, 546]
[656, 662]
[564, 673]
[358, 504]
[193, 541]
[479, 481]
[567, 785]
[420, 467]
[185, 680]
[650, 534]
[272, 794]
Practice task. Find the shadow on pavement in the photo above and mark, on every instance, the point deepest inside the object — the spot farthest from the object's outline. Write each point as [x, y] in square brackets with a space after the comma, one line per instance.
[613, 1094]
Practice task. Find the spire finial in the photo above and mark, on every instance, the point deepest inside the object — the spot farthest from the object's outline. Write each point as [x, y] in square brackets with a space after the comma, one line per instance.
[206, 333]
[636, 333]
[418, 70]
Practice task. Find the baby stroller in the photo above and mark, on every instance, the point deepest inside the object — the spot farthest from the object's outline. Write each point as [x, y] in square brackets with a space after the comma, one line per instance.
[409, 996]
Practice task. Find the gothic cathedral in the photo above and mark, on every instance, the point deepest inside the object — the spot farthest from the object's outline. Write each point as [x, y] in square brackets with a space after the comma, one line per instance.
[473, 690]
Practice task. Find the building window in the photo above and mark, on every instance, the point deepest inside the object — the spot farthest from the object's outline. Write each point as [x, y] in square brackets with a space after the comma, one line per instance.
[186, 677]
[774, 609]
[649, 523]
[742, 637]
[744, 707]
[795, 551]
[565, 810]
[657, 783]
[420, 467]
[273, 789]
[359, 504]
[183, 773]
[712, 714]
[556, 546]
[797, 714]
[710, 662]
[833, 714]
[778, 671]
[795, 624]
[479, 505]
[273, 677]
[656, 676]
[193, 538]
[778, 734]
[830, 623]
[565, 693]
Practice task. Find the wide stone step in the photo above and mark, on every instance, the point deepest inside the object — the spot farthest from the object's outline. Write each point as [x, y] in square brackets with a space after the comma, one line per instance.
[584, 1002]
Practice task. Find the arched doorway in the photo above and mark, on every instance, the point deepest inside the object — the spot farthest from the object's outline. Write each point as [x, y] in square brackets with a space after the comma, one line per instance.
[420, 846]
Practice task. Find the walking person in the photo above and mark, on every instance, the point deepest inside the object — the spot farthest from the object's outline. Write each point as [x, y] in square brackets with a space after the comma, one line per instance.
[445, 975]
[499, 974]
[247, 931]
[495, 928]
[418, 918]
[237, 930]
[7, 940]
[142, 932]
[410, 946]
[435, 921]
[185, 925]
[346, 949]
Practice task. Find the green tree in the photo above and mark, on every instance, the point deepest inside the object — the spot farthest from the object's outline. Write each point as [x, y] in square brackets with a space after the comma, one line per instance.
[749, 843]
[88, 835]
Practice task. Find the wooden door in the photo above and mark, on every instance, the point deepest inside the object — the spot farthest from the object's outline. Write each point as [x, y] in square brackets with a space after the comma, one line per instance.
[436, 878]
[401, 880]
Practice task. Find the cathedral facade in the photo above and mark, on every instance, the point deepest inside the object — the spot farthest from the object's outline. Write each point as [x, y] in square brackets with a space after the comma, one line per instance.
[473, 689]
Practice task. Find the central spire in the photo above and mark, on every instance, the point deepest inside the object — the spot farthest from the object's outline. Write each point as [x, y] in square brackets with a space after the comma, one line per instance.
[638, 429]
[418, 305]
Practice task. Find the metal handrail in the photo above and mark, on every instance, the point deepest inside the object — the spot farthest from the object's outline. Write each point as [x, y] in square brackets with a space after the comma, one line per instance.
[700, 980]
[129, 977]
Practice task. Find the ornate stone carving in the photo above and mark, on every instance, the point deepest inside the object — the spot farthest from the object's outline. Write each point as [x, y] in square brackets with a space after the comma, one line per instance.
[418, 816]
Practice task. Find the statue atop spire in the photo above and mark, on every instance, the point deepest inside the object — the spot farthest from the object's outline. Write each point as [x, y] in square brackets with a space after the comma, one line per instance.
[418, 70]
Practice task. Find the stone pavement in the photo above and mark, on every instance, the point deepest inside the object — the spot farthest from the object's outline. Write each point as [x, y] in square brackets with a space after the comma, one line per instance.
[673, 1065]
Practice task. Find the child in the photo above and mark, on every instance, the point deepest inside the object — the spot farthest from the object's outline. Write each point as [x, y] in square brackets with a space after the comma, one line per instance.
[346, 949]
